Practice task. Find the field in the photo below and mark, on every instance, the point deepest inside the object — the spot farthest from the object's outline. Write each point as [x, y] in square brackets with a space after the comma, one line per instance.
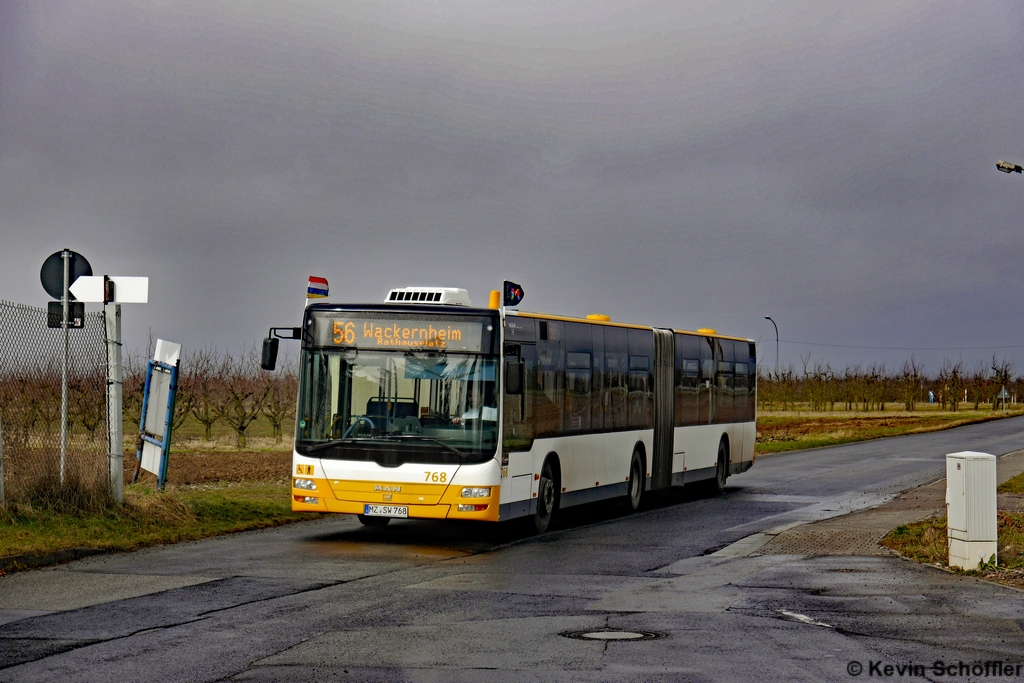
[779, 431]
[194, 460]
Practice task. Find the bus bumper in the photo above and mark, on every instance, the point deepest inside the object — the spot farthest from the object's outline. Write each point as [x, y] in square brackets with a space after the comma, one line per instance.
[351, 497]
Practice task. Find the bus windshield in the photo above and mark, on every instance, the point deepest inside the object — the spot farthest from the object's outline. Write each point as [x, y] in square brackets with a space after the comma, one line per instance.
[395, 407]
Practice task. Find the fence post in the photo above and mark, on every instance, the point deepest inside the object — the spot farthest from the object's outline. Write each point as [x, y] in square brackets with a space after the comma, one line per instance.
[115, 445]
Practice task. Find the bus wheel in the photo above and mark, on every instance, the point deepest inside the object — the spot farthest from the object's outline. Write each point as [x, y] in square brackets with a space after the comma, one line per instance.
[636, 481]
[722, 470]
[545, 499]
[373, 521]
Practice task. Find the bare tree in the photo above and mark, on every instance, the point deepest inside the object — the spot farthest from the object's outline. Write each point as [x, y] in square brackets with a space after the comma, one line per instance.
[48, 409]
[133, 383]
[951, 379]
[820, 386]
[184, 393]
[909, 380]
[210, 368]
[978, 384]
[245, 388]
[875, 386]
[87, 399]
[20, 402]
[280, 403]
[1002, 376]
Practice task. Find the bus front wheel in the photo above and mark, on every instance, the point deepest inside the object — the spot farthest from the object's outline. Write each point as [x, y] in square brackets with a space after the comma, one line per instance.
[545, 499]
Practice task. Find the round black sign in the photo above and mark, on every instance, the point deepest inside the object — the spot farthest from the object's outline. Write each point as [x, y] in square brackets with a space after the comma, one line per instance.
[52, 273]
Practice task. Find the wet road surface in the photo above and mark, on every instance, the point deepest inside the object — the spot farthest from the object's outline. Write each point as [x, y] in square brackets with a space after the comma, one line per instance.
[426, 601]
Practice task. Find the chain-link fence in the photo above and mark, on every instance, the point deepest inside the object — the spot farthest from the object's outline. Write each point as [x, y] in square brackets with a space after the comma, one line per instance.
[31, 357]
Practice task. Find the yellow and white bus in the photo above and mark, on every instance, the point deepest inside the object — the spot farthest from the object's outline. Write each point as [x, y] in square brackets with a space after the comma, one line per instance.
[425, 407]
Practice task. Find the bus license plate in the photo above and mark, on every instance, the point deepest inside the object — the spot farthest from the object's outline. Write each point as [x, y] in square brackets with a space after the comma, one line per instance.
[386, 510]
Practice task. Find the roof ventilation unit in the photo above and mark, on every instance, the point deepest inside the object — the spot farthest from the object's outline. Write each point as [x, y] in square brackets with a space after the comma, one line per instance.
[451, 296]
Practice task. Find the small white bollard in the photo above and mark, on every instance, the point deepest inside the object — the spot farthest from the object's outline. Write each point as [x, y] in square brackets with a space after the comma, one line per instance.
[971, 509]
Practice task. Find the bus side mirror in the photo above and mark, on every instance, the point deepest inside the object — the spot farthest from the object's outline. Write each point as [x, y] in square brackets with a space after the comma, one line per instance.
[513, 377]
[268, 361]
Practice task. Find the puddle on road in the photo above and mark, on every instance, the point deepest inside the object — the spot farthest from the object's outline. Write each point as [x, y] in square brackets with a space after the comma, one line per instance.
[409, 541]
[373, 551]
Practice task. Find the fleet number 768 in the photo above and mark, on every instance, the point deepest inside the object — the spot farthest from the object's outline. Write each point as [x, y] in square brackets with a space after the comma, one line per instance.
[436, 477]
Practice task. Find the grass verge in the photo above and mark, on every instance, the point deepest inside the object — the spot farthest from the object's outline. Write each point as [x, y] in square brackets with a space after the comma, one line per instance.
[925, 542]
[149, 518]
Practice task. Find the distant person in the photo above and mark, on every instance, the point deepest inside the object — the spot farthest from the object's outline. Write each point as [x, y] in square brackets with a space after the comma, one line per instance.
[931, 397]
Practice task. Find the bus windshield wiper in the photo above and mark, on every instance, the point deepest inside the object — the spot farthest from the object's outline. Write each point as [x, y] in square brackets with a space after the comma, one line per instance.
[416, 437]
[334, 442]
[387, 439]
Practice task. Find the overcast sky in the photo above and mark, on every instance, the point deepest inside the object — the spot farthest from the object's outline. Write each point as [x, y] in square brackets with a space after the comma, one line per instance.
[829, 164]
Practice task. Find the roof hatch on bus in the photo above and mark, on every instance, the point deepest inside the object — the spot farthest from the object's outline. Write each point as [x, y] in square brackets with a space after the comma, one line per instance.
[451, 296]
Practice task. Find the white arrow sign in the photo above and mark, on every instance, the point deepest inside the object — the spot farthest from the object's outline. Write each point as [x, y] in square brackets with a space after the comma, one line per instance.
[127, 290]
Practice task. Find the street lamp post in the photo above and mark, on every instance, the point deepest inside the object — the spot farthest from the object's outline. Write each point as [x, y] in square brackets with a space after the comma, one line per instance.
[769, 318]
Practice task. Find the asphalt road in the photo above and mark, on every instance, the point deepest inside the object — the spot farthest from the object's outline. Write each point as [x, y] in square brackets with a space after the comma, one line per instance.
[421, 601]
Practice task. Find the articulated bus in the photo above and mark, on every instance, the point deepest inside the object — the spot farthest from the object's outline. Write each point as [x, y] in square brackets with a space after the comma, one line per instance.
[424, 407]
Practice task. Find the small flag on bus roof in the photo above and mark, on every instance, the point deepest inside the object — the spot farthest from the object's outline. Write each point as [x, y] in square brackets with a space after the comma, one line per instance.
[317, 288]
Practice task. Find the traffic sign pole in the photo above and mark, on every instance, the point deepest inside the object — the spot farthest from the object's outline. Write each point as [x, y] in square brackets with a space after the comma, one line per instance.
[65, 301]
[59, 272]
[115, 438]
[112, 291]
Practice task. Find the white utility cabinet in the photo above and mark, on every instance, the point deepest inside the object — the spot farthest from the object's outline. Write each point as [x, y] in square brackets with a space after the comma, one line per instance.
[971, 508]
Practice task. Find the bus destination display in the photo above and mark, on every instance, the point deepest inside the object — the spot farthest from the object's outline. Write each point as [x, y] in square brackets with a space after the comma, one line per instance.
[399, 333]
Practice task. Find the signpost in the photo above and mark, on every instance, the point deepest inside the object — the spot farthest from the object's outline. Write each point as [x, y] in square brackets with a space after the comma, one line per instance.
[1003, 396]
[58, 273]
[112, 291]
[158, 411]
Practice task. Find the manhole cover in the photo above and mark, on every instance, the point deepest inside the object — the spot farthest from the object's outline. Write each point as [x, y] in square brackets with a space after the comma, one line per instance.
[609, 634]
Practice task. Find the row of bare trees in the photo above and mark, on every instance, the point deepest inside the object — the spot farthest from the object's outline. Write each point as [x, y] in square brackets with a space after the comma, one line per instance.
[30, 403]
[220, 387]
[875, 387]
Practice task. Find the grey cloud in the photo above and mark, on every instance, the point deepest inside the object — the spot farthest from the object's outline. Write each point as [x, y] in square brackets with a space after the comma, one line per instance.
[664, 163]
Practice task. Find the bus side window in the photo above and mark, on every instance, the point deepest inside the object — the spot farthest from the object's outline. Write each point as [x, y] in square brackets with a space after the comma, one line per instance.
[707, 380]
[578, 351]
[726, 380]
[641, 379]
[687, 379]
[752, 382]
[597, 382]
[739, 382]
[616, 364]
[549, 392]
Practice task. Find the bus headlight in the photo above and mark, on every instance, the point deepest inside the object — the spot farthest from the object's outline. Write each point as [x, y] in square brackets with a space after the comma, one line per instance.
[476, 492]
[471, 508]
[307, 484]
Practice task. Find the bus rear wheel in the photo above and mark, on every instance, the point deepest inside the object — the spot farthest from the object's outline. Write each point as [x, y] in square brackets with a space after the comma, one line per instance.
[373, 521]
[545, 499]
[722, 469]
[636, 481]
